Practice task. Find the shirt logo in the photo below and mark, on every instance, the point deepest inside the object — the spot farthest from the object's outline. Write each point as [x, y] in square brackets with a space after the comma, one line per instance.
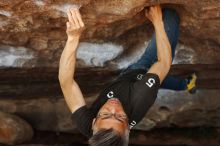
[133, 123]
[150, 82]
[139, 76]
[110, 94]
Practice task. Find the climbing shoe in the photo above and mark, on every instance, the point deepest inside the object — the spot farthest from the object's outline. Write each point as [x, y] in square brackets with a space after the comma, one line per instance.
[191, 85]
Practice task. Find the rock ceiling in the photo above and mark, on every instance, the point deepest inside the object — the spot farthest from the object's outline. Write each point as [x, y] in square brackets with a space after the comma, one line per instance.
[39, 27]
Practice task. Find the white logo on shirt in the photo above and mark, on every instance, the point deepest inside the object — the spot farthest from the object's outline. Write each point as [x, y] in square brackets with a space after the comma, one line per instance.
[133, 123]
[150, 82]
[139, 76]
[110, 94]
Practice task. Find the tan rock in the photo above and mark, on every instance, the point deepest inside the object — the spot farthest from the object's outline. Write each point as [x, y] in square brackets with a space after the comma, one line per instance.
[21, 21]
[13, 129]
[179, 109]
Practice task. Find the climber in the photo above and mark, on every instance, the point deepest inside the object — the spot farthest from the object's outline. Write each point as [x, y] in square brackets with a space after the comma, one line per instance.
[124, 103]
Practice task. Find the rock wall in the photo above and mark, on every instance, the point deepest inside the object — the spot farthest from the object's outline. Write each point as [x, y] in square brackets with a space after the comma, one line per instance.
[39, 27]
[13, 129]
[32, 35]
[172, 109]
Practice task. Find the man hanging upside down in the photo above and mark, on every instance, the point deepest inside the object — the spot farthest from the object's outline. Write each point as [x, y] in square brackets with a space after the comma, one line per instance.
[124, 103]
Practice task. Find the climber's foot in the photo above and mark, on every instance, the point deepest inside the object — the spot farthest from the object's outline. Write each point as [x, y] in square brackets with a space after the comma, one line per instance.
[191, 85]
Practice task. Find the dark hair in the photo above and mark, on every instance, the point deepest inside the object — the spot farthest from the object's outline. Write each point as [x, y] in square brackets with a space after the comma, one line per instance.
[109, 137]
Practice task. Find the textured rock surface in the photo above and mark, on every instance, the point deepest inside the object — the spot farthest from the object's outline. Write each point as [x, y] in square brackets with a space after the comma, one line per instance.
[13, 129]
[47, 110]
[167, 136]
[172, 109]
[25, 83]
[32, 34]
[39, 26]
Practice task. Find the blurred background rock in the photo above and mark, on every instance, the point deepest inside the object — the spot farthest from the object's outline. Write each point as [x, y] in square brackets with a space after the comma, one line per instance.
[32, 38]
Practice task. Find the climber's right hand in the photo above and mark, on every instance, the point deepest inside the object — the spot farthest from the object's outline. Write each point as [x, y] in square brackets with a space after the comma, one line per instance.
[154, 14]
[75, 25]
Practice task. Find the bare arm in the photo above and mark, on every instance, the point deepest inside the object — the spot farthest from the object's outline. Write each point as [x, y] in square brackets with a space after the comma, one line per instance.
[70, 88]
[164, 53]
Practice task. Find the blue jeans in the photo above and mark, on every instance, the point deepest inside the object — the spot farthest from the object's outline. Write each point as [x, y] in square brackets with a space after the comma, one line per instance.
[171, 23]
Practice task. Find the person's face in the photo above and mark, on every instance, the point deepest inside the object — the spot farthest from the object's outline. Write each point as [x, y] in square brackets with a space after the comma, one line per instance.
[106, 120]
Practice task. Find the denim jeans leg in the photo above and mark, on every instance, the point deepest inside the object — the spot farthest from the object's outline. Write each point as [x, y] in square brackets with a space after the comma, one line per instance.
[171, 25]
[174, 83]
